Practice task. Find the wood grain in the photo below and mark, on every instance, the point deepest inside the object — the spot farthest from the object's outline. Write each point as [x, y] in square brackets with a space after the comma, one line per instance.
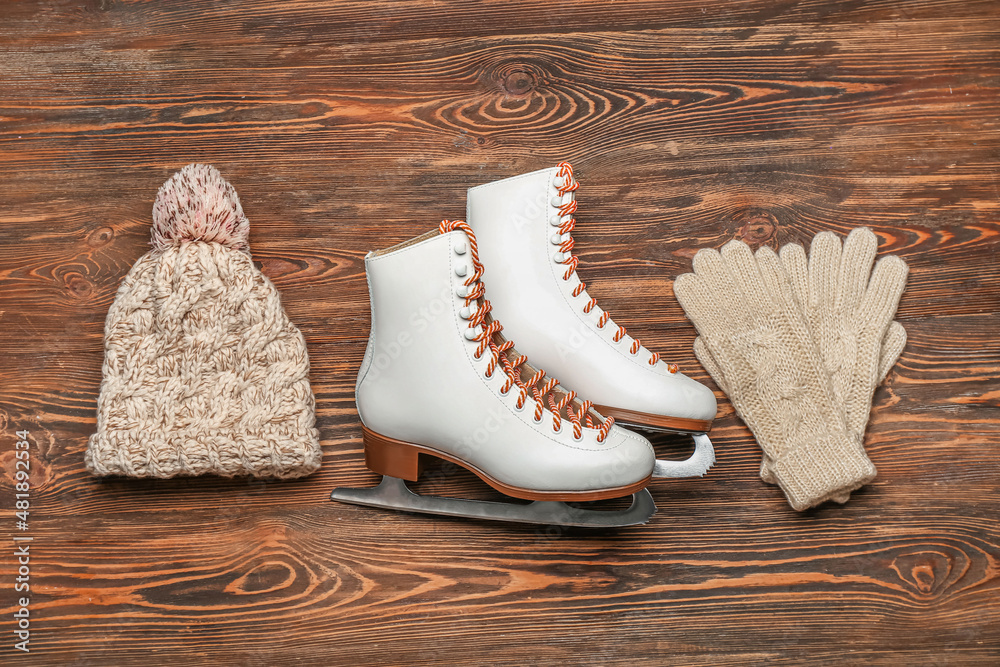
[349, 126]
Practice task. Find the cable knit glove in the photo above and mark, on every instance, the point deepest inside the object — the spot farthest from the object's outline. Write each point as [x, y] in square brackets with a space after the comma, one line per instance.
[745, 310]
[892, 347]
[850, 309]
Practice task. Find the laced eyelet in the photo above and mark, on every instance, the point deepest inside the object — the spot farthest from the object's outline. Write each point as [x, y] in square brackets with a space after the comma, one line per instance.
[504, 393]
[557, 430]
[558, 257]
[555, 220]
[576, 439]
[539, 387]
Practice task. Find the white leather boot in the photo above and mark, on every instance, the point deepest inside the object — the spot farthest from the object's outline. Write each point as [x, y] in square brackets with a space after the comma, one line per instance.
[439, 379]
[524, 225]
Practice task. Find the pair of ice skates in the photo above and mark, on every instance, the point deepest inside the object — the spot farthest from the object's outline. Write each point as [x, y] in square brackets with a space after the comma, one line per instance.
[440, 377]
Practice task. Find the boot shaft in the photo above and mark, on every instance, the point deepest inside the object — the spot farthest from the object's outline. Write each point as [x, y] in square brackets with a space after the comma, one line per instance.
[524, 225]
[415, 338]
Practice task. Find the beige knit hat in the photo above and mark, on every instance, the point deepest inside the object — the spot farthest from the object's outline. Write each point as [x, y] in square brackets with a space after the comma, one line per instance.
[203, 372]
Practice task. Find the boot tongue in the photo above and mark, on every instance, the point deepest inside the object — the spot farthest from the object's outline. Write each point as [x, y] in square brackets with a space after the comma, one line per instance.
[525, 371]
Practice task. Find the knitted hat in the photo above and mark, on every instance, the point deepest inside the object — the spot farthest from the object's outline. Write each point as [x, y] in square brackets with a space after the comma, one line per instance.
[203, 372]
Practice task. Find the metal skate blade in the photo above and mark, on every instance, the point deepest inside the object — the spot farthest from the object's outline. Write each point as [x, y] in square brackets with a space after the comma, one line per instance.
[392, 493]
[695, 465]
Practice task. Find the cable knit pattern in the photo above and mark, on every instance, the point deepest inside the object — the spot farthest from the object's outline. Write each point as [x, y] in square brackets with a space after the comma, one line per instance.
[745, 311]
[849, 308]
[203, 371]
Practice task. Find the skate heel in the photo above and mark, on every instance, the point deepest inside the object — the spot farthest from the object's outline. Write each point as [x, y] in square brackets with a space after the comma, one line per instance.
[390, 457]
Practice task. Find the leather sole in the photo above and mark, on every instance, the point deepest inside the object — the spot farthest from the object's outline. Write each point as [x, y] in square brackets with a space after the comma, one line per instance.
[397, 458]
[679, 424]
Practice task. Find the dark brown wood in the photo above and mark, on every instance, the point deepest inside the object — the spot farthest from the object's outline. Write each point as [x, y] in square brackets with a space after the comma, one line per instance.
[350, 126]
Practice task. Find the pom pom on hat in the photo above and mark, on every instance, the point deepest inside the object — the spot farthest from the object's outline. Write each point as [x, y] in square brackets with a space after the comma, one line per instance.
[198, 204]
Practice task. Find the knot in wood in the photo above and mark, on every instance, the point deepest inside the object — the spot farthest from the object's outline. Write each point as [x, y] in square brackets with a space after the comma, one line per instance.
[78, 285]
[929, 571]
[756, 226]
[517, 80]
[100, 237]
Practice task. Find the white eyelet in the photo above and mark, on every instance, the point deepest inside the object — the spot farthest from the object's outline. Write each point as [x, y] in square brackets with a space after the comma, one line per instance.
[460, 248]
[523, 403]
[561, 201]
[472, 333]
[463, 291]
[467, 312]
[504, 393]
[559, 257]
[461, 269]
[555, 220]
[634, 354]
[539, 420]
[557, 430]
[580, 439]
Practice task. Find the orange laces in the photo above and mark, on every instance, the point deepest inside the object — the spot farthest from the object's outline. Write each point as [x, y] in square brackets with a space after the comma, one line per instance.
[566, 257]
[543, 393]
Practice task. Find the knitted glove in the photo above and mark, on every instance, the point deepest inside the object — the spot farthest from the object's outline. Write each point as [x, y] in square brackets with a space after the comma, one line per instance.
[892, 347]
[850, 308]
[835, 294]
[744, 308]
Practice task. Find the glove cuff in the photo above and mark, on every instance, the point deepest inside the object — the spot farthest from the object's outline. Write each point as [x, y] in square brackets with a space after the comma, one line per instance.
[825, 467]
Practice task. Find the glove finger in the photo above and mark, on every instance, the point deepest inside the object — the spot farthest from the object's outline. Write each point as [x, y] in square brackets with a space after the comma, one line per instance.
[878, 306]
[892, 347]
[700, 305]
[773, 274]
[824, 270]
[710, 364]
[742, 266]
[856, 267]
[728, 291]
[795, 263]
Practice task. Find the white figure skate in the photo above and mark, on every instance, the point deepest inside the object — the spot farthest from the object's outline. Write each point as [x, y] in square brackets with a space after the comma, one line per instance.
[525, 226]
[439, 379]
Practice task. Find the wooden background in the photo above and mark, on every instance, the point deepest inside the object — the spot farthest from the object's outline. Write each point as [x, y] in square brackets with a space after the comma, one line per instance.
[348, 126]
